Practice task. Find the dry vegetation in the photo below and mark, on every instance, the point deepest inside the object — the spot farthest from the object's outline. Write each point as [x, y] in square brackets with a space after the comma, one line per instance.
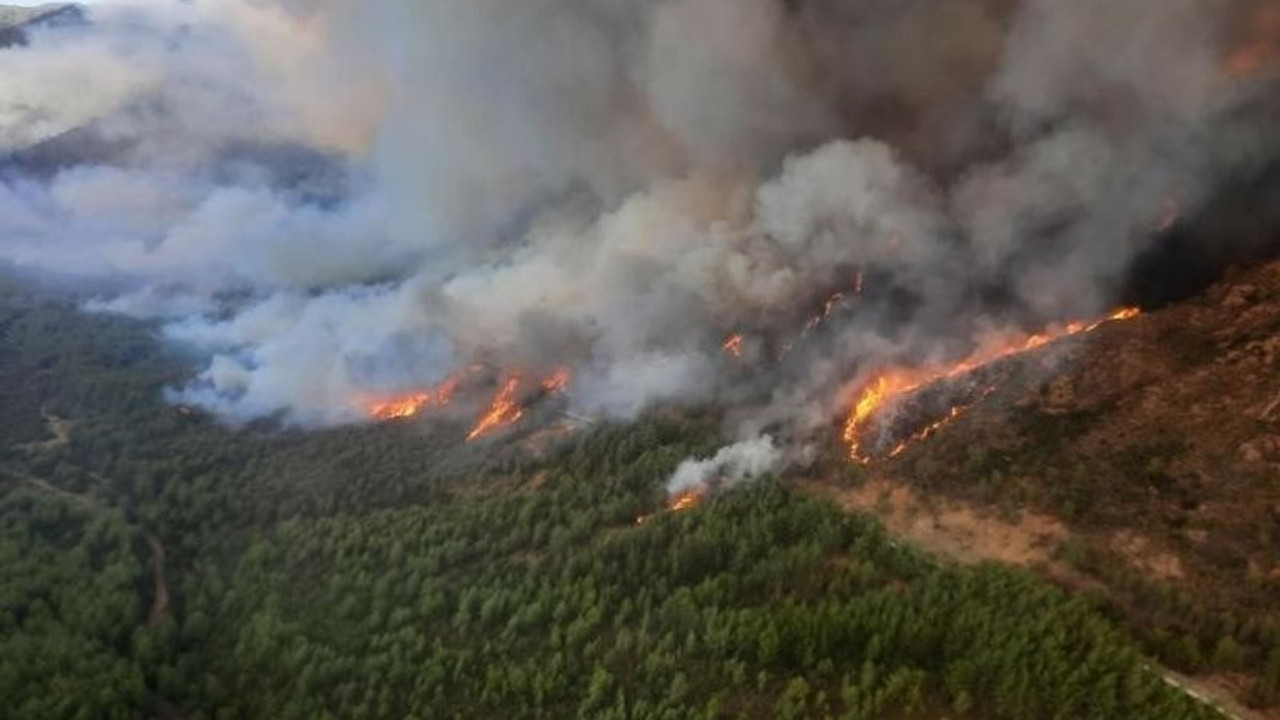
[1141, 462]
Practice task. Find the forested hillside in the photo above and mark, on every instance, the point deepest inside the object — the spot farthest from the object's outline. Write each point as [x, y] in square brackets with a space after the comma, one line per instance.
[157, 564]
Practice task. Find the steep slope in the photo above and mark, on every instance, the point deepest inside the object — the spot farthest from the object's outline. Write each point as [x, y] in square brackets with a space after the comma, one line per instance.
[1140, 461]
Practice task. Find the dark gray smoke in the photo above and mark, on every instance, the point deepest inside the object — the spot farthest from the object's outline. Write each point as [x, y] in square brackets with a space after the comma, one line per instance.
[337, 198]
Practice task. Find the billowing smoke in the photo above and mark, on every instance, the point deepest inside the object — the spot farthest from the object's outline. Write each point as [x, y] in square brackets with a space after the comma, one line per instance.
[737, 463]
[337, 199]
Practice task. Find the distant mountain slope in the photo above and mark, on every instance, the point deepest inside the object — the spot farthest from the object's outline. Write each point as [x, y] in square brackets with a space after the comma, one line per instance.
[15, 21]
[16, 16]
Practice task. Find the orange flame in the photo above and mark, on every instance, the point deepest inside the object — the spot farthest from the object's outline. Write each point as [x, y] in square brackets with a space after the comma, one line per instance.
[1249, 60]
[558, 382]
[955, 412]
[410, 405]
[1261, 49]
[1121, 314]
[870, 399]
[733, 345]
[828, 307]
[686, 500]
[896, 383]
[503, 411]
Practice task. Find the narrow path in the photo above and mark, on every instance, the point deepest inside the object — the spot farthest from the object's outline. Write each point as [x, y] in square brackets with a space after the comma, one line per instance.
[160, 605]
[1217, 698]
[59, 427]
[161, 708]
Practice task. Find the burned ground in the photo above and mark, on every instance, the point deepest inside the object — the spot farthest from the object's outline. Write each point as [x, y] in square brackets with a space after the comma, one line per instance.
[1155, 442]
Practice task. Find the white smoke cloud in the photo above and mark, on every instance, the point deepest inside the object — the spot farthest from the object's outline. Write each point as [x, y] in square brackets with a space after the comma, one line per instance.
[731, 465]
[257, 368]
[50, 89]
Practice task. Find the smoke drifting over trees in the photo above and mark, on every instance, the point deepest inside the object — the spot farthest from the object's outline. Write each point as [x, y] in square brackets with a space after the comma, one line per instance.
[328, 199]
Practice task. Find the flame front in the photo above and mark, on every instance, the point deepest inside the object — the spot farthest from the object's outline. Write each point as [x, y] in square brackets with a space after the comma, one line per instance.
[685, 500]
[558, 382]
[505, 408]
[681, 501]
[873, 397]
[828, 307]
[503, 411]
[1262, 48]
[888, 386]
[410, 405]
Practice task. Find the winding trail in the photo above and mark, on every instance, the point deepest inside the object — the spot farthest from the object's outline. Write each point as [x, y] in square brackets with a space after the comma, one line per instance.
[160, 603]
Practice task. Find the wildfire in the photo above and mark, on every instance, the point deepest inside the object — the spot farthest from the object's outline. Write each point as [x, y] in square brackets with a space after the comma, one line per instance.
[893, 384]
[828, 307]
[681, 501]
[733, 345]
[558, 382]
[933, 427]
[503, 411]
[685, 500]
[872, 398]
[506, 408]
[410, 405]
[1261, 50]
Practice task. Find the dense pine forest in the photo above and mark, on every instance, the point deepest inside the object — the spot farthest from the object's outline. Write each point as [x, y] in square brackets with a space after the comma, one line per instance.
[156, 564]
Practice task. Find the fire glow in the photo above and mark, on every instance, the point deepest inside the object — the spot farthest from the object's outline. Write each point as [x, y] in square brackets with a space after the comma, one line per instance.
[686, 500]
[407, 406]
[679, 502]
[1260, 51]
[558, 382]
[889, 386]
[828, 307]
[733, 345]
[505, 409]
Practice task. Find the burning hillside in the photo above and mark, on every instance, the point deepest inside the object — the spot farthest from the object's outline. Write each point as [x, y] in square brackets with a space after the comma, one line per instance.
[888, 388]
[507, 407]
[763, 206]
[1137, 463]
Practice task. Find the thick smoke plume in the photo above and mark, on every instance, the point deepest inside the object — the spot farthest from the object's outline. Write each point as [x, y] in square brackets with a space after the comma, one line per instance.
[340, 198]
